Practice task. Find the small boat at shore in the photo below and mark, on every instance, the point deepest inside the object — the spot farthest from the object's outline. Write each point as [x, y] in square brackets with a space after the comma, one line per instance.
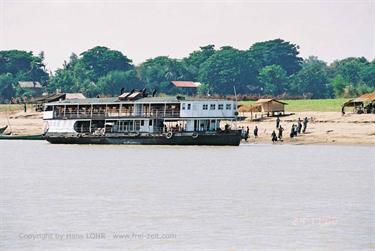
[22, 137]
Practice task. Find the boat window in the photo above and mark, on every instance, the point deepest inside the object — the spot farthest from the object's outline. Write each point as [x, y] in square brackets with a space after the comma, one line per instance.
[142, 122]
[205, 107]
[189, 106]
[228, 106]
[82, 126]
[220, 107]
[48, 108]
[212, 107]
[150, 122]
[137, 125]
[183, 106]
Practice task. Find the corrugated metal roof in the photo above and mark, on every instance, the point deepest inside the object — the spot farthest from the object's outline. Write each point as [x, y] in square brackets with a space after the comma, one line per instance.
[166, 99]
[29, 84]
[186, 84]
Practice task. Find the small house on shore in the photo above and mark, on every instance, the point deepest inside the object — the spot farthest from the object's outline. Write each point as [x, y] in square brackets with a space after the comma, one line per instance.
[186, 87]
[32, 87]
[362, 104]
[271, 107]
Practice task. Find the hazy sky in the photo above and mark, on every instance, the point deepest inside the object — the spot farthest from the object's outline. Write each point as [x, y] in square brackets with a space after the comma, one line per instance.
[145, 29]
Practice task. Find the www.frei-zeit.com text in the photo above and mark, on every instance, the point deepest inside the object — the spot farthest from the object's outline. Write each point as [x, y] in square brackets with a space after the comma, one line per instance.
[96, 236]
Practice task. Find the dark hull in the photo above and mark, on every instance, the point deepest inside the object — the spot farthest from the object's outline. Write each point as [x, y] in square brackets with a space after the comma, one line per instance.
[231, 138]
[22, 137]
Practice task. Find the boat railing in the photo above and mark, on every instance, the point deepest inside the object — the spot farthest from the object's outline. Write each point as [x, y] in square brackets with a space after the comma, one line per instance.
[105, 115]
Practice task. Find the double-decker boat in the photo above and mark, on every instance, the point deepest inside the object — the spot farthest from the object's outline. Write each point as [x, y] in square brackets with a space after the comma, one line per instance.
[135, 118]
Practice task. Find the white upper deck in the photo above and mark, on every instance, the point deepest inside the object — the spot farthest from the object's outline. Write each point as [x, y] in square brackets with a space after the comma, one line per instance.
[181, 107]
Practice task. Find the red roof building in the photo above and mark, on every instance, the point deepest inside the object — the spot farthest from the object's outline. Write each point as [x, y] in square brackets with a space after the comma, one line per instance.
[185, 87]
[186, 84]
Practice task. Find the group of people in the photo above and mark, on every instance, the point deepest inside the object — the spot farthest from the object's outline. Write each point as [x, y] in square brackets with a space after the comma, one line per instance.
[246, 132]
[296, 129]
[277, 135]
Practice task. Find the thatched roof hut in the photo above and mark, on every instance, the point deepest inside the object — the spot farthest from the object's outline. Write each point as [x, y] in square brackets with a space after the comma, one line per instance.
[363, 103]
[269, 106]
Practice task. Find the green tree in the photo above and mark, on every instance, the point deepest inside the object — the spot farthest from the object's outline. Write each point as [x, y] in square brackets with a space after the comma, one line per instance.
[115, 80]
[62, 81]
[352, 76]
[274, 79]
[312, 80]
[158, 72]
[204, 89]
[227, 68]
[100, 60]
[96, 71]
[6, 86]
[368, 74]
[276, 52]
[338, 85]
[23, 65]
[349, 68]
[196, 58]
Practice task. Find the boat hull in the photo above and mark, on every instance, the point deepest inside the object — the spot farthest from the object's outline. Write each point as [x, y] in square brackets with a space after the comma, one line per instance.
[231, 138]
[22, 137]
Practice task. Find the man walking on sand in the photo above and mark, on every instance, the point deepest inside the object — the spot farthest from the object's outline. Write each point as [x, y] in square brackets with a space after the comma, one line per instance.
[280, 134]
[305, 121]
[292, 131]
[274, 138]
[256, 132]
[277, 122]
[299, 126]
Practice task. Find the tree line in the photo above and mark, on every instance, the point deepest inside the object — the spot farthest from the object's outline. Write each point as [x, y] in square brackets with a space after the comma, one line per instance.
[267, 68]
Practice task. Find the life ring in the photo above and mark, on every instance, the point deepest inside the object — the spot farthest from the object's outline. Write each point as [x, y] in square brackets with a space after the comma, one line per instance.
[194, 135]
[169, 135]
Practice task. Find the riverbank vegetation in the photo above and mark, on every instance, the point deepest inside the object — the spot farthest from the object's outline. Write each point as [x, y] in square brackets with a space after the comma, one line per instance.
[267, 68]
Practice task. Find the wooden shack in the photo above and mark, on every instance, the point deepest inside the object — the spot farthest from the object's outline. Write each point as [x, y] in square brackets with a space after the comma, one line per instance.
[271, 107]
[33, 88]
[362, 104]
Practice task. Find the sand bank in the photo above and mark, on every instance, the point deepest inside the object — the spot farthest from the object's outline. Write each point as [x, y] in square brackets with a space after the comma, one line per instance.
[323, 127]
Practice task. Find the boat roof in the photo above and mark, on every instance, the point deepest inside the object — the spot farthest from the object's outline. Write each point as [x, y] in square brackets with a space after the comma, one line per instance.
[114, 100]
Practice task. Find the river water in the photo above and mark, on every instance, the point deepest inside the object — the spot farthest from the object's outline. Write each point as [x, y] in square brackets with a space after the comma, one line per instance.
[263, 197]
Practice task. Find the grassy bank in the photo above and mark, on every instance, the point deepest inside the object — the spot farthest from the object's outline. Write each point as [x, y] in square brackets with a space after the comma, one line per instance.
[314, 105]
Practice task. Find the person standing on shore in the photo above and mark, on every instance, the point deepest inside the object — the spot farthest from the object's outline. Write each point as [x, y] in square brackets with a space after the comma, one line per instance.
[295, 131]
[292, 131]
[274, 138]
[277, 122]
[299, 125]
[305, 121]
[256, 132]
[247, 133]
[280, 134]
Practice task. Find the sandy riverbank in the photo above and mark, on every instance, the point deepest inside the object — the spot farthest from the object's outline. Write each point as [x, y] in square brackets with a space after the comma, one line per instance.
[323, 128]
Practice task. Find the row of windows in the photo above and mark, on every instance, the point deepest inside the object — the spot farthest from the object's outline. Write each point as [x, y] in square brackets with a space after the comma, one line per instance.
[219, 107]
[184, 106]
